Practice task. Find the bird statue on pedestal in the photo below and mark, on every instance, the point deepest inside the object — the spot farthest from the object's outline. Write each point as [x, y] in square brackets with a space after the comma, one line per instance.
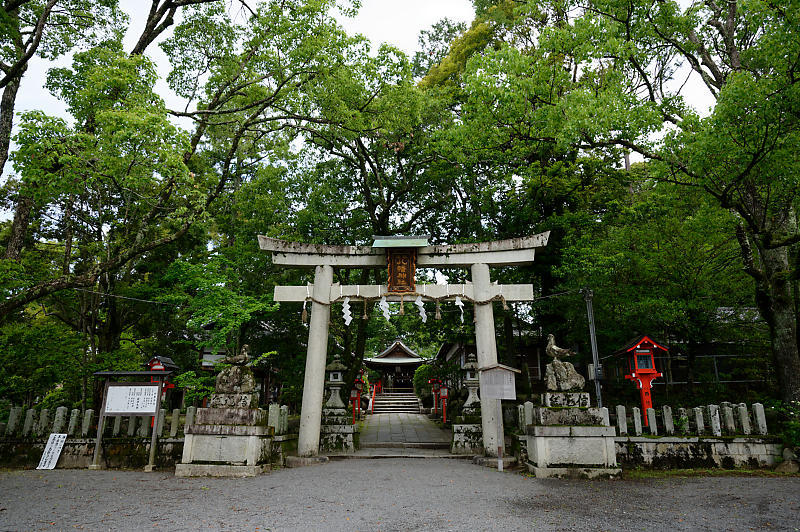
[554, 351]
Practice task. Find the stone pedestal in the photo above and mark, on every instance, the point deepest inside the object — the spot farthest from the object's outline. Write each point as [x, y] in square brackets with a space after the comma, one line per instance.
[231, 438]
[337, 433]
[227, 442]
[569, 441]
[467, 439]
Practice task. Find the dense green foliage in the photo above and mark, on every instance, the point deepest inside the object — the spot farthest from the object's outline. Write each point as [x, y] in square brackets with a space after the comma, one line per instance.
[134, 229]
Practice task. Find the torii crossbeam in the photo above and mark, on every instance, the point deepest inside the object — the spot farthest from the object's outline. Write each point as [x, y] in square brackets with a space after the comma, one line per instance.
[478, 257]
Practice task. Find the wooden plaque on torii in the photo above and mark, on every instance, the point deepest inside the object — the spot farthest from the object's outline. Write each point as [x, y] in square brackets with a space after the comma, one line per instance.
[402, 269]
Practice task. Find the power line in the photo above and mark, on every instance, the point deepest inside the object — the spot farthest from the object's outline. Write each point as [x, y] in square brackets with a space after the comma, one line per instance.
[126, 297]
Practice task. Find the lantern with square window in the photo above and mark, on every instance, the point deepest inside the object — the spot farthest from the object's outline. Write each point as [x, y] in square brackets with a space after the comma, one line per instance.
[640, 367]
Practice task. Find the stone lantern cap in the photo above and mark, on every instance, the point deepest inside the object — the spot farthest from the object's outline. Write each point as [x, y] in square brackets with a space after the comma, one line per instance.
[471, 364]
[335, 365]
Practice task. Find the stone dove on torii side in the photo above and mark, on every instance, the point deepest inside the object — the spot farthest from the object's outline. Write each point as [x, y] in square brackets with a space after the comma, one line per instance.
[554, 351]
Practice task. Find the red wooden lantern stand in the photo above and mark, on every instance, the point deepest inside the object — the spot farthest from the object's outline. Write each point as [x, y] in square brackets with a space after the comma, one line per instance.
[641, 368]
[436, 385]
[443, 395]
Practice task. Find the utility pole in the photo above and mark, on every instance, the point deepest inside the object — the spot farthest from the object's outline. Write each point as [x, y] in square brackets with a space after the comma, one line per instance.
[587, 295]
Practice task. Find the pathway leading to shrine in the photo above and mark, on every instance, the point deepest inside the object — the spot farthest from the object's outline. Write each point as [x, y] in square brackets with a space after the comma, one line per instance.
[403, 430]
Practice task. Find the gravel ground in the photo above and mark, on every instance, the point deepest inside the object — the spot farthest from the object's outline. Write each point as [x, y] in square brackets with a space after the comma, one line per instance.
[391, 494]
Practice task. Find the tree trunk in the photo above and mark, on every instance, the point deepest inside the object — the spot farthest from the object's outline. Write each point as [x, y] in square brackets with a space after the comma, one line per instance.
[778, 307]
[7, 117]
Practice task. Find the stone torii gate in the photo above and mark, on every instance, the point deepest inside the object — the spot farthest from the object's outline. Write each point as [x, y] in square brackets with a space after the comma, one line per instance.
[398, 252]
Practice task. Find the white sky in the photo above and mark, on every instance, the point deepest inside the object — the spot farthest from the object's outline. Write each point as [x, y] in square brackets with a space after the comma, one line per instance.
[397, 23]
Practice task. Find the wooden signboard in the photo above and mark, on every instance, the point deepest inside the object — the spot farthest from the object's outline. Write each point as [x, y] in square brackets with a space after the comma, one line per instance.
[497, 382]
[132, 399]
[402, 269]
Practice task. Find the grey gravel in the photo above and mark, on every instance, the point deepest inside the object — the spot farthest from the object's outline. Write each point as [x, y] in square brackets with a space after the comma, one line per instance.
[390, 494]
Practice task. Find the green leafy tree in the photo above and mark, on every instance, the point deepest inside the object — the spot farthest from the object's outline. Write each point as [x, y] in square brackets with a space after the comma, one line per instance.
[611, 75]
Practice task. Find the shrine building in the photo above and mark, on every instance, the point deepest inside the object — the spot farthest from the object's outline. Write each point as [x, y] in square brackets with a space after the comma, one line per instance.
[396, 364]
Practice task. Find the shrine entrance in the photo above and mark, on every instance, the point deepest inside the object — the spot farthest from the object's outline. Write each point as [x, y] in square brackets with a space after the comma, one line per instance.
[401, 255]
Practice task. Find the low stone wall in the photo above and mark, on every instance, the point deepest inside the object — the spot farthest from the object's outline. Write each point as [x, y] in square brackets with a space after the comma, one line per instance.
[77, 453]
[694, 452]
[126, 440]
[118, 453]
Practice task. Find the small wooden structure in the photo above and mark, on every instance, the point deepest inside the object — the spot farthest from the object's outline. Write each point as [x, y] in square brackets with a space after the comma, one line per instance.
[639, 355]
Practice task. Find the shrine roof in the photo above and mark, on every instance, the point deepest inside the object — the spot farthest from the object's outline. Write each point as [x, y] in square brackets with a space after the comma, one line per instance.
[396, 354]
[395, 361]
[409, 241]
[398, 344]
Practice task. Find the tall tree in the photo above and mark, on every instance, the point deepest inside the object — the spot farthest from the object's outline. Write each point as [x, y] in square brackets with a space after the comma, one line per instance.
[621, 69]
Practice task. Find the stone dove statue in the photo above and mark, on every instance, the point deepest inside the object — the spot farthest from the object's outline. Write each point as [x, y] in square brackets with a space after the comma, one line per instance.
[554, 351]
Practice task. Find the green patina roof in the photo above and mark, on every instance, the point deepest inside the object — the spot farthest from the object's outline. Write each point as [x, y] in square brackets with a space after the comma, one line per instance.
[411, 241]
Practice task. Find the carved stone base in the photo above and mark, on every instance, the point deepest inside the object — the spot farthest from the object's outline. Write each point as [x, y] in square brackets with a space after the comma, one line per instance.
[337, 438]
[234, 400]
[562, 399]
[467, 439]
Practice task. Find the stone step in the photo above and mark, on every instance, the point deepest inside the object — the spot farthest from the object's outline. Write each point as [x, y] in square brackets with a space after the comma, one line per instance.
[406, 445]
[399, 453]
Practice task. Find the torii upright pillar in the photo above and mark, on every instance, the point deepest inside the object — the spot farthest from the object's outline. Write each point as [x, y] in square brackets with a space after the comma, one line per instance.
[486, 347]
[314, 380]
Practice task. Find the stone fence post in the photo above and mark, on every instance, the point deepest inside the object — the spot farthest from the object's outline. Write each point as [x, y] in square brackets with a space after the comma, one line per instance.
[637, 420]
[651, 421]
[622, 420]
[14, 417]
[174, 423]
[74, 416]
[60, 420]
[728, 420]
[669, 426]
[30, 422]
[760, 418]
[744, 419]
[87, 423]
[43, 427]
[698, 420]
[714, 420]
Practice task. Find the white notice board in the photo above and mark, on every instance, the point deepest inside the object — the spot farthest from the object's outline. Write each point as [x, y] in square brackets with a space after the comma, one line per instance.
[498, 383]
[132, 399]
[52, 451]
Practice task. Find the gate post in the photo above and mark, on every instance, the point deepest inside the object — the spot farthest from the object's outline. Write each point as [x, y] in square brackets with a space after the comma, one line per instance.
[486, 347]
[314, 379]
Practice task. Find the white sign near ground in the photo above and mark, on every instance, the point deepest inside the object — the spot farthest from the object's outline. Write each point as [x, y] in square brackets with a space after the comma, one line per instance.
[138, 399]
[52, 451]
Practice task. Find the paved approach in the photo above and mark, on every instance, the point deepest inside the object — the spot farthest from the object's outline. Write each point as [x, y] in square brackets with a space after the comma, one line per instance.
[398, 430]
[390, 494]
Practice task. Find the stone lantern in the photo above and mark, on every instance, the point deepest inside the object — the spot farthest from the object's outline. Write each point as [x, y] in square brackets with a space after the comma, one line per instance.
[472, 382]
[335, 382]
